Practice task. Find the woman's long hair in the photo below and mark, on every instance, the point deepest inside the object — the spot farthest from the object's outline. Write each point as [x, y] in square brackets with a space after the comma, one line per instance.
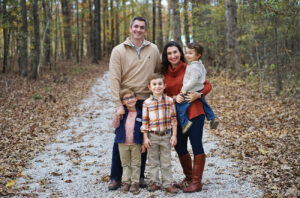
[165, 62]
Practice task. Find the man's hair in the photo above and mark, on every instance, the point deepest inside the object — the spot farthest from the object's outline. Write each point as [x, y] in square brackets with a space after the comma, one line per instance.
[139, 19]
[126, 91]
[155, 76]
[197, 47]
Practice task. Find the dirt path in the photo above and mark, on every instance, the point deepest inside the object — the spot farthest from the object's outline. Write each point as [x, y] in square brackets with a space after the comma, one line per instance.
[77, 163]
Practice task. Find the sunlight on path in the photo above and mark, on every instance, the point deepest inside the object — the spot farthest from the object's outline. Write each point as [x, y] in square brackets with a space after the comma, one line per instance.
[73, 165]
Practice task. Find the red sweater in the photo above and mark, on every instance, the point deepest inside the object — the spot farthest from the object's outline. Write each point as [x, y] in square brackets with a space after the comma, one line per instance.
[174, 79]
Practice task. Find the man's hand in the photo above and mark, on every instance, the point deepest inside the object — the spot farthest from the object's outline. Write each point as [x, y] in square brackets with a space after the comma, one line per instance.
[173, 140]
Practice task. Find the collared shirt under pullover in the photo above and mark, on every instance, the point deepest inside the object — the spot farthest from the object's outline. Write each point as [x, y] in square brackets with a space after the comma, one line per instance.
[129, 69]
[158, 115]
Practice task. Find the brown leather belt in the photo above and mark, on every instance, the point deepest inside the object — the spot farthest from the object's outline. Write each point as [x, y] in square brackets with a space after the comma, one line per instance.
[162, 133]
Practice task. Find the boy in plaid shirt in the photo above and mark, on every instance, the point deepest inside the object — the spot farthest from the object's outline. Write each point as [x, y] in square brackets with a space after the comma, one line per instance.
[159, 127]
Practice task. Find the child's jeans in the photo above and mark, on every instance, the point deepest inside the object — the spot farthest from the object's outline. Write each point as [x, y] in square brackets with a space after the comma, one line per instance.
[182, 114]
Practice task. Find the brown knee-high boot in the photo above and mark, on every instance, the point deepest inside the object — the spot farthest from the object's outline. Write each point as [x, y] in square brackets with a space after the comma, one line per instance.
[186, 164]
[196, 185]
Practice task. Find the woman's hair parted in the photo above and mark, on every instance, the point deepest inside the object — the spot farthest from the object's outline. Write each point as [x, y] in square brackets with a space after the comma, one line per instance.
[155, 76]
[123, 92]
[197, 47]
[165, 62]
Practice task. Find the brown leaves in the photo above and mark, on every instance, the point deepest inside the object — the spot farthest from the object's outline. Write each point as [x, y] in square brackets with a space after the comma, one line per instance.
[31, 112]
[262, 134]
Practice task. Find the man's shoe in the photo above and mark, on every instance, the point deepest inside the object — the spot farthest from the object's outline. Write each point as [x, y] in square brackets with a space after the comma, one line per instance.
[171, 189]
[214, 123]
[125, 187]
[187, 127]
[135, 188]
[114, 185]
[143, 183]
[153, 187]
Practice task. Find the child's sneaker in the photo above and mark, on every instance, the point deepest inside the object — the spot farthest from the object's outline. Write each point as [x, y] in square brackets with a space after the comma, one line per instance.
[135, 188]
[214, 123]
[187, 127]
[125, 187]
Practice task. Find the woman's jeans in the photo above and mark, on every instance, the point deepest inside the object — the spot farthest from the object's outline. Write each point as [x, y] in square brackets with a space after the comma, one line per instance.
[182, 111]
[195, 134]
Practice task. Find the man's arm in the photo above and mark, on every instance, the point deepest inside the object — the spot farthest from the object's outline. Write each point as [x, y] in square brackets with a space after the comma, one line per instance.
[158, 65]
[115, 72]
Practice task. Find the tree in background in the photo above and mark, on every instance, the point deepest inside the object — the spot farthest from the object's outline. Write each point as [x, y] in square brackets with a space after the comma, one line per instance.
[36, 41]
[67, 22]
[176, 22]
[232, 59]
[24, 38]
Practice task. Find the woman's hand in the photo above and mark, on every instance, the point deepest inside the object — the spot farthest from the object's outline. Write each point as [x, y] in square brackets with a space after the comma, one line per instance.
[192, 96]
[179, 98]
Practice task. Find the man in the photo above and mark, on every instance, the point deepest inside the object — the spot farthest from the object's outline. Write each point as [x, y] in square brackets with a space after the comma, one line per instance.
[131, 63]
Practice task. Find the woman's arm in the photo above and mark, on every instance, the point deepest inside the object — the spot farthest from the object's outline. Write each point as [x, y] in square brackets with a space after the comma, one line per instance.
[191, 97]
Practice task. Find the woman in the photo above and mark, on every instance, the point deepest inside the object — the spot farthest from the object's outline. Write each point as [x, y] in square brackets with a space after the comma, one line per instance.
[174, 66]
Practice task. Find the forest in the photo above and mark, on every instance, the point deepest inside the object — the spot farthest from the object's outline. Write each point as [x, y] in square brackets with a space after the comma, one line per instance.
[51, 47]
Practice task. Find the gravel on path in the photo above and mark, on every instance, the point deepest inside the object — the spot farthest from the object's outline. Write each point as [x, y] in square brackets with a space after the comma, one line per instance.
[77, 163]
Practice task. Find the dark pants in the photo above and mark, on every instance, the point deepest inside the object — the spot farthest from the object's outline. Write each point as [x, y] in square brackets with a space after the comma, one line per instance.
[195, 134]
[116, 166]
[182, 111]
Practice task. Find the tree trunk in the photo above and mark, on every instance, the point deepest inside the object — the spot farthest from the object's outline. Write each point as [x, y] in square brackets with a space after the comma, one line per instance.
[105, 25]
[176, 22]
[56, 35]
[232, 35]
[23, 60]
[96, 31]
[112, 25]
[277, 69]
[117, 23]
[82, 28]
[154, 20]
[186, 22]
[66, 11]
[125, 26]
[195, 20]
[62, 53]
[36, 43]
[90, 46]
[160, 27]
[5, 37]
[47, 26]
[77, 32]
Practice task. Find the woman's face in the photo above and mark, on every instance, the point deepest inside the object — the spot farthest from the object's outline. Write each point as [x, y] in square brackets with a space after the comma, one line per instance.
[173, 55]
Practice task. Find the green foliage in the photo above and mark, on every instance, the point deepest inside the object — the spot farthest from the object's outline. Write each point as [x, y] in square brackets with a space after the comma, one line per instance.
[37, 97]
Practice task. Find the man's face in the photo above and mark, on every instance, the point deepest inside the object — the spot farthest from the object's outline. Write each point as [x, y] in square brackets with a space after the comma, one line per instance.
[138, 30]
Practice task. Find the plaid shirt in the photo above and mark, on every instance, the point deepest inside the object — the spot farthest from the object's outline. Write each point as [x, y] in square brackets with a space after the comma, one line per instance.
[158, 115]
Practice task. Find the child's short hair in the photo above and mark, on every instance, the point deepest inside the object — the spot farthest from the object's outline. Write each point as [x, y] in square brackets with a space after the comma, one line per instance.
[155, 76]
[197, 47]
[126, 91]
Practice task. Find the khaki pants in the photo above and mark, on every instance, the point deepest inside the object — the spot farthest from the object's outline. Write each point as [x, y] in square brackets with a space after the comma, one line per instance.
[159, 156]
[131, 162]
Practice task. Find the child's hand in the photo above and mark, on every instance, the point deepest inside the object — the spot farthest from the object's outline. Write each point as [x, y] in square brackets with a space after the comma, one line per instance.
[143, 149]
[173, 140]
[147, 143]
[120, 110]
